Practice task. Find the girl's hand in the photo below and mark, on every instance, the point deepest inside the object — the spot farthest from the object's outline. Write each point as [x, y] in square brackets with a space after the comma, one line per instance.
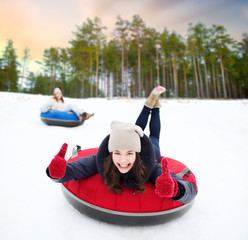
[57, 166]
[166, 186]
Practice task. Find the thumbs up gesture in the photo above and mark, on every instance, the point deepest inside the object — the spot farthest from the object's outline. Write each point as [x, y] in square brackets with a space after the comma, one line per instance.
[57, 166]
[166, 186]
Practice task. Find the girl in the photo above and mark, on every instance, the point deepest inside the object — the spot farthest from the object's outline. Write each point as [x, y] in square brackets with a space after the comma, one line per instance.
[57, 103]
[128, 157]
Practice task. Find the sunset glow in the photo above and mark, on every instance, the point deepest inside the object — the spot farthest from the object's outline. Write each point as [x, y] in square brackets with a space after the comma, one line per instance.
[43, 24]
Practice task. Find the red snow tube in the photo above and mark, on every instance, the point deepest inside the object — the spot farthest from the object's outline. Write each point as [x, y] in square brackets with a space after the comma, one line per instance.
[91, 197]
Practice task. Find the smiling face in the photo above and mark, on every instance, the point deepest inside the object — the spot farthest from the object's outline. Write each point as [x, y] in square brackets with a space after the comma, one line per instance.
[123, 160]
[58, 95]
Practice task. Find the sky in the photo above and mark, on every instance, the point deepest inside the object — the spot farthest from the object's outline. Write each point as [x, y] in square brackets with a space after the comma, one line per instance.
[44, 24]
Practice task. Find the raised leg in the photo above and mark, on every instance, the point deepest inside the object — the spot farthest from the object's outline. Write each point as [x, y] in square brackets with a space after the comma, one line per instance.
[155, 128]
[143, 117]
[155, 124]
[152, 106]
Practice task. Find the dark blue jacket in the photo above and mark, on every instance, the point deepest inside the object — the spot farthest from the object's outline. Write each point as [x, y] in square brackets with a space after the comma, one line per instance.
[93, 164]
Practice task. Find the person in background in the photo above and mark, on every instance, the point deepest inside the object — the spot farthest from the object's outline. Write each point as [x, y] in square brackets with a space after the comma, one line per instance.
[57, 103]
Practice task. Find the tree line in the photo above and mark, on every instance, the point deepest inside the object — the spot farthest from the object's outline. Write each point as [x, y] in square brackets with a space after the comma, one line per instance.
[208, 63]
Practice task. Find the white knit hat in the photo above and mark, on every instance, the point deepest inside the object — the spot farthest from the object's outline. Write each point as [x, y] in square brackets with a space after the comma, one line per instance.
[57, 90]
[125, 136]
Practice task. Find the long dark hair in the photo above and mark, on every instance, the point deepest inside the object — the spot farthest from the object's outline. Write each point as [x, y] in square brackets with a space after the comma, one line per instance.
[113, 177]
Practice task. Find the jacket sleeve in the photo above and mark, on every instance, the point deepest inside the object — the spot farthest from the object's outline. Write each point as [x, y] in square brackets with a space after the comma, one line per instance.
[186, 189]
[82, 168]
[44, 108]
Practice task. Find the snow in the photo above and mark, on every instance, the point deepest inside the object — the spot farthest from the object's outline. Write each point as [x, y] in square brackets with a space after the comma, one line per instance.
[209, 136]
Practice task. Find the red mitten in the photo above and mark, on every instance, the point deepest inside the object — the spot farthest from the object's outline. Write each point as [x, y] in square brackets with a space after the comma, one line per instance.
[57, 166]
[166, 186]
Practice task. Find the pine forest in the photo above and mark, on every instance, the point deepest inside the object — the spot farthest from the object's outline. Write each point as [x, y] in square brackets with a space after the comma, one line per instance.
[208, 63]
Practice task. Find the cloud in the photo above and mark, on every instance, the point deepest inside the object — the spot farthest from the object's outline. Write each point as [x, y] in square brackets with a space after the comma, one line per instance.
[36, 24]
[245, 12]
[42, 24]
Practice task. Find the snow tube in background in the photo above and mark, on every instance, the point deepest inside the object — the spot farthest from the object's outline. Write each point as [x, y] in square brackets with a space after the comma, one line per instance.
[90, 196]
[60, 118]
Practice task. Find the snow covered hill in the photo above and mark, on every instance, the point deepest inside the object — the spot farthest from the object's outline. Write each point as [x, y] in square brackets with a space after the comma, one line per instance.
[209, 136]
